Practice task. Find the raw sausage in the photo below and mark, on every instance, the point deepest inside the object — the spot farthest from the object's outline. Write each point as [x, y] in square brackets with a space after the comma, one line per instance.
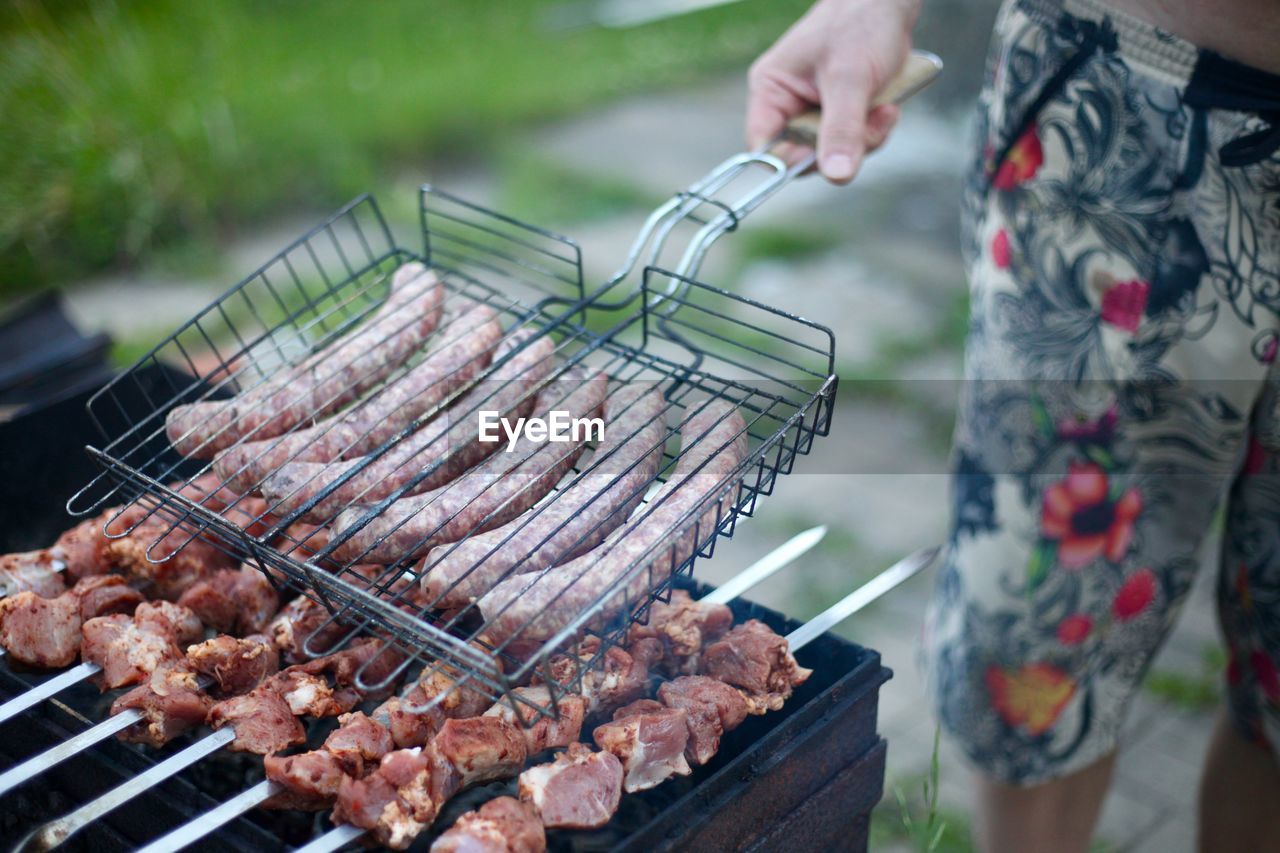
[325, 381]
[534, 607]
[504, 486]
[461, 350]
[580, 517]
[449, 441]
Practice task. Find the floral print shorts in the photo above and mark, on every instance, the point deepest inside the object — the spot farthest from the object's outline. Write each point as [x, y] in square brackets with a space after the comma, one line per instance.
[1122, 236]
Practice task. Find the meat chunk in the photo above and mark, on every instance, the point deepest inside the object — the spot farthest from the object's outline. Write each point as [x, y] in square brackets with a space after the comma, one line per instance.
[649, 739]
[756, 660]
[713, 708]
[579, 790]
[262, 722]
[183, 560]
[618, 678]
[357, 741]
[171, 703]
[303, 629]
[129, 650]
[35, 571]
[236, 601]
[397, 801]
[684, 627]
[480, 749]
[236, 665]
[504, 825]
[545, 732]
[42, 632]
[101, 595]
[310, 779]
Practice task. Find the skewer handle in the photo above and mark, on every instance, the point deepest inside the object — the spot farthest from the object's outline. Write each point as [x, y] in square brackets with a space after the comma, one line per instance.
[918, 71]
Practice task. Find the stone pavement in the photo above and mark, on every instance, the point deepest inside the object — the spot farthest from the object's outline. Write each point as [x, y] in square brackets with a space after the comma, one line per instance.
[887, 279]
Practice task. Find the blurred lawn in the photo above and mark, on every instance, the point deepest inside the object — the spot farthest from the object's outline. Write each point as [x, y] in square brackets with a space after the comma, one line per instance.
[129, 126]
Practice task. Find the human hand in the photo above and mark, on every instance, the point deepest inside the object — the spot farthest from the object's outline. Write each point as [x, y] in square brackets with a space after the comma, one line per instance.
[837, 57]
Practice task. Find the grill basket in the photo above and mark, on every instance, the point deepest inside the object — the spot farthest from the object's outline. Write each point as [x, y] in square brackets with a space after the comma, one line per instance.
[694, 342]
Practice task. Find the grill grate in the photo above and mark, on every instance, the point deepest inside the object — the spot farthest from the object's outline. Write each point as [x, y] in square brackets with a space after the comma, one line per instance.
[694, 343]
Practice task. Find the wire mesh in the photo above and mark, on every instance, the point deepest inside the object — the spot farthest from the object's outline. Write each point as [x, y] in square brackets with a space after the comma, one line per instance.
[689, 350]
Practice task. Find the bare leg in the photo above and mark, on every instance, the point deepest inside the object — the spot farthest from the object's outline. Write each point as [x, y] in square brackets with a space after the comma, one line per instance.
[1056, 817]
[1239, 794]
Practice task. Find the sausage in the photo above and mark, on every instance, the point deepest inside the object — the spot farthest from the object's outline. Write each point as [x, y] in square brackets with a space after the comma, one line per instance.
[322, 383]
[450, 440]
[580, 517]
[534, 607]
[493, 493]
[461, 351]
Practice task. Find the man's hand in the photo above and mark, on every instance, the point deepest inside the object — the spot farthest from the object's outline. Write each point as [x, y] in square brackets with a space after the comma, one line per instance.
[836, 57]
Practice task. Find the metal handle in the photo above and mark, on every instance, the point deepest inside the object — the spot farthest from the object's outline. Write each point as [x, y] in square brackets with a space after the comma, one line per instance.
[704, 201]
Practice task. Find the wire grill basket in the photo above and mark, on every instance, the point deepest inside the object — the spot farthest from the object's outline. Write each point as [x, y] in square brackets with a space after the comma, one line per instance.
[697, 345]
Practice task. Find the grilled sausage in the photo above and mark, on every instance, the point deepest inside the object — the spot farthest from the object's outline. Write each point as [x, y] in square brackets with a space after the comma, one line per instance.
[449, 440]
[462, 349]
[534, 607]
[322, 383]
[580, 517]
[490, 495]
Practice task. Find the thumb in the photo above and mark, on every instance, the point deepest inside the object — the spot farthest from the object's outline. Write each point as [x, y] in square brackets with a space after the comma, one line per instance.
[841, 136]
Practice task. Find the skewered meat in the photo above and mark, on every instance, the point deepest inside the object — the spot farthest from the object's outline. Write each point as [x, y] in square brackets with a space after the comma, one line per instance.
[322, 383]
[649, 739]
[685, 627]
[410, 721]
[35, 571]
[449, 442]
[504, 825]
[560, 729]
[756, 660]
[129, 650]
[493, 493]
[617, 679]
[236, 665]
[397, 801]
[579, 790]
[479, 749]
[262, 722]
[308, 781]
[233, 601]
[42, 632]
[460, 351]
[45, 632]
[583, 514]
[712, 708]
[357, 740]
[171, 703]
[303, 627]
[536, 606]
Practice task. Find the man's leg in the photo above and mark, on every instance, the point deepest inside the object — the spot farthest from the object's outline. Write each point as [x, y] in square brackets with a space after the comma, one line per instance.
[1056, 817]
[1239, 794]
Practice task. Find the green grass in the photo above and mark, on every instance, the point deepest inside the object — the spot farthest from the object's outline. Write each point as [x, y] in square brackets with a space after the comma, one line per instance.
[134, 125]
[556, 195]
[1198, 692]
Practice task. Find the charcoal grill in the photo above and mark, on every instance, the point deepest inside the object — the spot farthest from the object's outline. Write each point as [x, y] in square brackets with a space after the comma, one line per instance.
[808, 774]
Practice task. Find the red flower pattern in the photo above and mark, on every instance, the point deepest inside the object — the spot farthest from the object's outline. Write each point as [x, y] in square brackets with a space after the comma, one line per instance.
[1000, 254]
[1074, 630]
[1123, 304]
[1021, 163]
[1138, 591]
[1080, 515]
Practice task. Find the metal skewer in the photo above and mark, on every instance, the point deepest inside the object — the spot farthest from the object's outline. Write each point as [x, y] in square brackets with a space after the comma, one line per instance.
[53, 834]
[780, 557]
[44, 690]
[900, 571]
[32, 767]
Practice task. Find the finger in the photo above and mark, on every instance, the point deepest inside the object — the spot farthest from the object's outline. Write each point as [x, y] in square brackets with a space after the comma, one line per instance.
[765, 120]
[880, 123]
[773, 98]
[841, 136]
